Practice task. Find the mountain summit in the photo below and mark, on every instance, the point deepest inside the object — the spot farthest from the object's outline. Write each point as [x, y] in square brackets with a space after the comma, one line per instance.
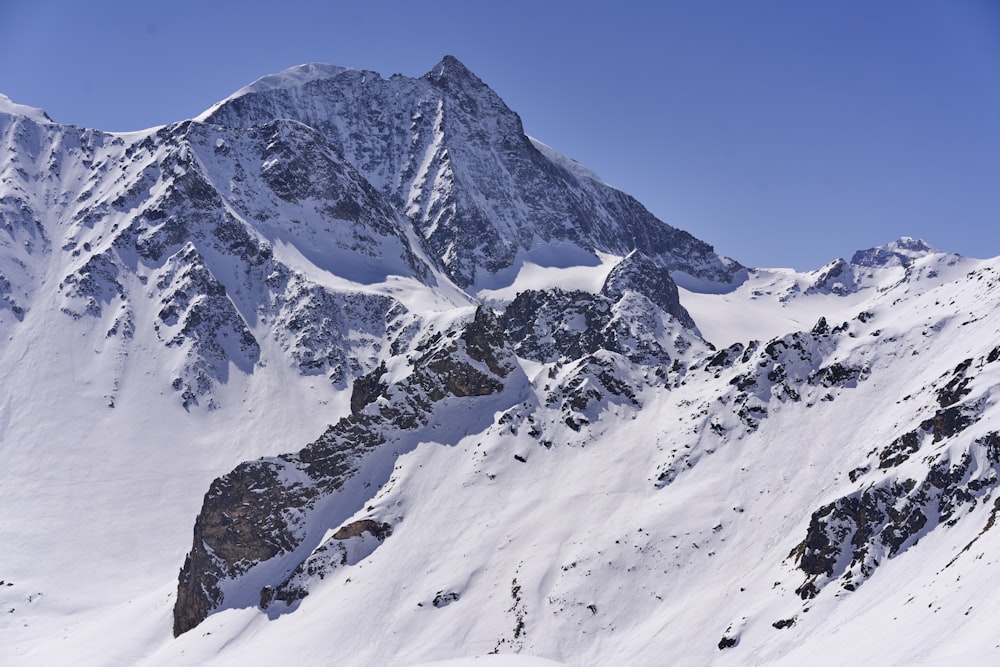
[349, 369]
[445, 150]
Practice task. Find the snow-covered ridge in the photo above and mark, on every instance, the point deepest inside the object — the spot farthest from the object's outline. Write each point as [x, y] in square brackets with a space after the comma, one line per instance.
[772, 301]
[292, 77]
[296, 76]
[565, 162]
[8, 106]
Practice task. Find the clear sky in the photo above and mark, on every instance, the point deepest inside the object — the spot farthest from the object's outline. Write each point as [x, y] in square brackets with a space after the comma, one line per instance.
[784, 132]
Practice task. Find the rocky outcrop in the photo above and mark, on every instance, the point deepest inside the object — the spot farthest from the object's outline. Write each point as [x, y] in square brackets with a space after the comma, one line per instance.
[641, 274]
[639, 319]
[900, 252]
[265, 511]
[834, 278]
[349, 545]
[848, 538]
[237, 528]
[189, 217]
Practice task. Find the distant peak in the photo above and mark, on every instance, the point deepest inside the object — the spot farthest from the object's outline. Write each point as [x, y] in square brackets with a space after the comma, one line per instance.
[911, 244]
[451, 70]
[450, 65]
[11, 108]
[900, 252]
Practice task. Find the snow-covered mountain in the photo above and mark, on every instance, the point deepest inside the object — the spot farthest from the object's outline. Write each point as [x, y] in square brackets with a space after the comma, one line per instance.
[390, 382]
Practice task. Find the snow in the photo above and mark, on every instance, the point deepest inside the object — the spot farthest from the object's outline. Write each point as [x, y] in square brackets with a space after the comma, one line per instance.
[548, 266]
[703, 286]
[574, 552]
[9, 107]
[494, 661]
[756, 310]
[771, 302]
[292, 77]
[567, 163]
[296, 76]
[667, 571]
[534, 525]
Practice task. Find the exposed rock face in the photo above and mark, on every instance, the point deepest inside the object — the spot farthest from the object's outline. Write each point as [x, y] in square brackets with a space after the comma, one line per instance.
[449, 153]
[636, 314]
[642, 275]
[848, 538]
[483, 194]
[834, 278]
[237, 528]
[472, 361]
[379, 531]
[188, 216]
[898, 253]
[259, 513]
[315, 167]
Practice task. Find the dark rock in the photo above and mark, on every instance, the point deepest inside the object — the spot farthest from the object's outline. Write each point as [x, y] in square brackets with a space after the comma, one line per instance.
[260, 512]
[497, 194]
[555, 324]
[849, 537]
[725, 358]
[380, 531]
[838, 278]
[821, 327]
[957, 387]
[641, 274]
[836, 374]
[367, 389]
[950, 421]
[899, 450]
[443, 599]
[483, 338]
[897, 253]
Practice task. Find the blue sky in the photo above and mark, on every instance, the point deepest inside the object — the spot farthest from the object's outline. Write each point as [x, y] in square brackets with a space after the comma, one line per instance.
[785, 133]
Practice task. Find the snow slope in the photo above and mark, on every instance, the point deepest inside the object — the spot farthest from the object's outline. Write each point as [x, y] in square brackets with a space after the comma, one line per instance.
[259, 330]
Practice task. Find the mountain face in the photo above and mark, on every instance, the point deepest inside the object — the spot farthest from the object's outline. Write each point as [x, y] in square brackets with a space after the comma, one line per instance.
[446, 151]
[425, 388]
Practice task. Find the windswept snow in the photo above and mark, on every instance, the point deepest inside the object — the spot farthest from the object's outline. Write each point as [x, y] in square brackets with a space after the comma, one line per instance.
[9, 107]
[292, 77]
[566, 163]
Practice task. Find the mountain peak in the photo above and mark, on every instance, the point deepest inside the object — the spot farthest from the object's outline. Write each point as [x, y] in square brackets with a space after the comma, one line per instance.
[900, 252]
[911, 244]
[293, 283]
[450, 65]
[451, 70]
